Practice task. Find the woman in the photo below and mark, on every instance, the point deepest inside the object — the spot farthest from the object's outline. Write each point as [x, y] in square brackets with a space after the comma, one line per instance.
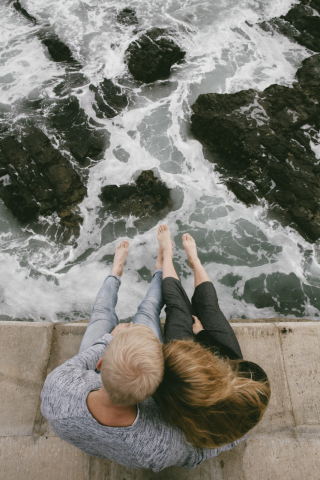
[208, 390]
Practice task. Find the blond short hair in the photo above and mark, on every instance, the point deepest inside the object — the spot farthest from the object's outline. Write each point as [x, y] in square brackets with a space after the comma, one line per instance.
[132, 366]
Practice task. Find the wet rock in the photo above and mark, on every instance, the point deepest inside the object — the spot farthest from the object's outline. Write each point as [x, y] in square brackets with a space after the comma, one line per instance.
[301, 24]
[59, 51]
[151, 57]
[109, 99]
[242, 193]
[78, 132]
[17, 6]
[70, 82]
[42, 180]
[309, 76]
[21, 204]
[146, 197]
[127, 16]
[70, 218]
[121, 154]
[260, 139]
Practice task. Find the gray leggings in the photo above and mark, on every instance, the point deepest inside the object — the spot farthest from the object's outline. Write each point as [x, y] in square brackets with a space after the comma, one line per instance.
[204, 305]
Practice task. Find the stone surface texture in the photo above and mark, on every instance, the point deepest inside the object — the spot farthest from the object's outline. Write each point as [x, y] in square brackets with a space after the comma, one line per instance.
[147, 196]
[109, 99]
[264, 151]
[127, 17]
[301, 24]
[285, 445]
[152, 55]
[40, 174]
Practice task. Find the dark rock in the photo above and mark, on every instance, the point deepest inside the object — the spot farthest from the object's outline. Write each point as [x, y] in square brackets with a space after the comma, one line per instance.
[127, 16]
[70, 219]
[242, 193]
[24, 12]
[70, 82]
[147, 196]
[83, 140]
[109, 99]
[151, 57]
[300, 24]
[21, 204]
[59, 51]
[260, 138]
[41, 177]
[309, 74]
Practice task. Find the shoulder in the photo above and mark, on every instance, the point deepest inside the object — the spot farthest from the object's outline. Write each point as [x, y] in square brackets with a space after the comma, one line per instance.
[64, 392]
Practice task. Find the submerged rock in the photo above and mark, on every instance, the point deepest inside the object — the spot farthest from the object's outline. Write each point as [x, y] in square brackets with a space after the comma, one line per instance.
[42, 181]
[147, 196]
[151, 57]
[127, 16]
[301, 24]
[109, 99]
[262, 144]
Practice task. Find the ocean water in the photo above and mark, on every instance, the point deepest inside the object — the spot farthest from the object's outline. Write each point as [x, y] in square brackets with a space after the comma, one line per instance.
[260, 267]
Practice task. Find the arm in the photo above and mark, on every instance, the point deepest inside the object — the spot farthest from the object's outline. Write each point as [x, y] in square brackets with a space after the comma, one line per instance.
[67, 382]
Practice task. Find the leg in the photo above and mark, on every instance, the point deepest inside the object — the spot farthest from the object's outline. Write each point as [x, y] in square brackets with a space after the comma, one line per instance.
[178, 307]
[104, 318]
[205, 301]
[148, 312]
[166, 246]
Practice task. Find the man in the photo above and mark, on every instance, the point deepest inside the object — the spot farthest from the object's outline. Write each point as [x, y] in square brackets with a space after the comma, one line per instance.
[112, 415]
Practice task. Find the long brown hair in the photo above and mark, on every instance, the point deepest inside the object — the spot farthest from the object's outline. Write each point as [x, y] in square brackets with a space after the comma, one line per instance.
[213, 400]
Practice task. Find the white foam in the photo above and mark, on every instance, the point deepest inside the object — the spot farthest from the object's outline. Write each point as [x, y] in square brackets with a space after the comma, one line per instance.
[45, 279]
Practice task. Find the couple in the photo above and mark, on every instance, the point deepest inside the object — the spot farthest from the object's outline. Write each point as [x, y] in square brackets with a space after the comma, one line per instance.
[129, 398]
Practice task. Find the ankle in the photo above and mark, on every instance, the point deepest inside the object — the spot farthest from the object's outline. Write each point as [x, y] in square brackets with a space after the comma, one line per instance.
[117, 271]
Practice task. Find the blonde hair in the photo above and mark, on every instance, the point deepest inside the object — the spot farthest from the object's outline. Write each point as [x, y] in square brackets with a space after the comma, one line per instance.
[213, 400]
[132, 366]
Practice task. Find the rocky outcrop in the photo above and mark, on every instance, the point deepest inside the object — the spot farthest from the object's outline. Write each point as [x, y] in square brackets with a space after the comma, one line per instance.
[127, 17]
[109, 99]
[265, 152]
[151, 57]
[81, 135]
[147, 196]
[38, 180]
[301, 24]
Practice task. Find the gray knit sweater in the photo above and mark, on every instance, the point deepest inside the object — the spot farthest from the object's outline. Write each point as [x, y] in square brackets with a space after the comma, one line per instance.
[150, 442]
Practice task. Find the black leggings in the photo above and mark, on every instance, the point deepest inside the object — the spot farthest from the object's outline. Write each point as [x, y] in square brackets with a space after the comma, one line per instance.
[204, 305]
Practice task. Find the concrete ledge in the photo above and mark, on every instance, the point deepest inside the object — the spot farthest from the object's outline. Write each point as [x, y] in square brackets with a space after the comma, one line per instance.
[286, 445]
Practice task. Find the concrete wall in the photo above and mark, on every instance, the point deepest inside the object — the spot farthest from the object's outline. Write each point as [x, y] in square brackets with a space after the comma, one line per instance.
[285, 445]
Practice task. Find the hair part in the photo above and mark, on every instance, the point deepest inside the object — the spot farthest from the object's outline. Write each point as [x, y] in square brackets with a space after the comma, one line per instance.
[208, 397]
[132, 365]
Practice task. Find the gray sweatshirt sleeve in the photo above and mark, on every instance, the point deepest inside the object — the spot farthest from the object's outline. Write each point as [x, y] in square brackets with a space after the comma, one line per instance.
[59, 388]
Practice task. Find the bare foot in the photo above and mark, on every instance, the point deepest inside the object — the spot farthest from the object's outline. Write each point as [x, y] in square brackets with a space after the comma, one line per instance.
[120, 257]
[164, 239]
[159, 261]
[191, 248]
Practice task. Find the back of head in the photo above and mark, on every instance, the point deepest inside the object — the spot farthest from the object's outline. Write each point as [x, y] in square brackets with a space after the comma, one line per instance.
[213, 400]
[132, 365]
